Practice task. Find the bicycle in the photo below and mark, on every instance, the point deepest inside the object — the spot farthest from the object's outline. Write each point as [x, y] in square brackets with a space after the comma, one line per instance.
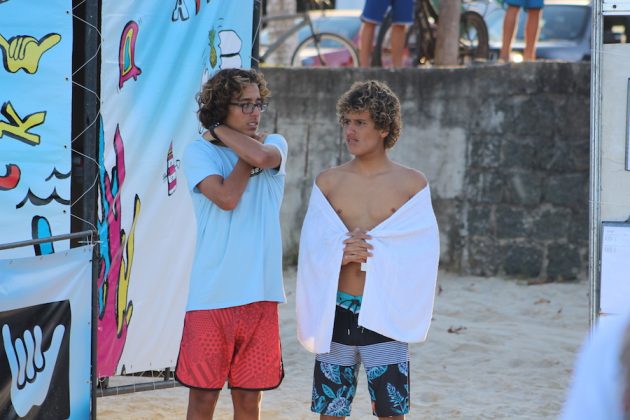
[421, 36]
[319, 49]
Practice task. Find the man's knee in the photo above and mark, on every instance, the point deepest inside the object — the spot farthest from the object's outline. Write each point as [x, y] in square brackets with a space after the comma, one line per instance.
[202, 400]
[534, 13]
[368, 26]
[512, 11]
[248, 401]
[399, 27]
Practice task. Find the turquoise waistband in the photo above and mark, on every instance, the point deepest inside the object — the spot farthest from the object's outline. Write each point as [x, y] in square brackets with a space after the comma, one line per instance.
[349, 302]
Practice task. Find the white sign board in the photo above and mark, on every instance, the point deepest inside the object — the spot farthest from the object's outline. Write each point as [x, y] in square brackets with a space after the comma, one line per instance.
[615, 270]
[616, 7]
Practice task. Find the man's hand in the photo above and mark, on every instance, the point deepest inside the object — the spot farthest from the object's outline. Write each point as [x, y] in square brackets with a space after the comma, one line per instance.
[357, 249]
[261, 137]
[24, 52]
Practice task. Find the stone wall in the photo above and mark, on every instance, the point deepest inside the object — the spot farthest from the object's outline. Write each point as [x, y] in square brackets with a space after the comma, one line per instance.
[505, 149]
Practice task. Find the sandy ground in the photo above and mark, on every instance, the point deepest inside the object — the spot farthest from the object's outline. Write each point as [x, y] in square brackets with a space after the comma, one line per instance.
[497, 349]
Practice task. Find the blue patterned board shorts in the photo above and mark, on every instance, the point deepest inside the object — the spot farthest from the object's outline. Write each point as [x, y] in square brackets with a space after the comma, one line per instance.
[386, 363]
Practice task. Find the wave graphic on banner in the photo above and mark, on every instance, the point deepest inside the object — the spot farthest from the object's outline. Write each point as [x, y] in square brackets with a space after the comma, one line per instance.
[41, 201]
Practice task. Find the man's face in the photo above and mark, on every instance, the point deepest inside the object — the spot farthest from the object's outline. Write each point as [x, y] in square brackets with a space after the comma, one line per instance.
[361, 135]
[239, 119]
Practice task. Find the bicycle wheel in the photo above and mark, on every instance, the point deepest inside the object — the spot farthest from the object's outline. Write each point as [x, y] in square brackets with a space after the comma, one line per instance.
[325, 50]
[473, 38]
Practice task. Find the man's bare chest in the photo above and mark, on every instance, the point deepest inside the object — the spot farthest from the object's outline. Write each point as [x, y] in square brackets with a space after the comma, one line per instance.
[367, 207]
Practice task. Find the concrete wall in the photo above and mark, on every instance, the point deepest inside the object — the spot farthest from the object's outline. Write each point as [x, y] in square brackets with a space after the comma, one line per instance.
[505, 149]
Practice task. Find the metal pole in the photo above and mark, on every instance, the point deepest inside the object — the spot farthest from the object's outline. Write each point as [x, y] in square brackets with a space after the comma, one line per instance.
[30, 242]
[143, 386]
[256, 28]
[595, 163]
[85, 134]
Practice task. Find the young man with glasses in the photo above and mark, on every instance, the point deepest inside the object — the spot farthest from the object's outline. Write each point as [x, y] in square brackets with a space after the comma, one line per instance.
[236, 178]
[367, 265]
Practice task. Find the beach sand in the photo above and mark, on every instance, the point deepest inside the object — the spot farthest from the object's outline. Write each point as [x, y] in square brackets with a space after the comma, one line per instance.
[497, 349]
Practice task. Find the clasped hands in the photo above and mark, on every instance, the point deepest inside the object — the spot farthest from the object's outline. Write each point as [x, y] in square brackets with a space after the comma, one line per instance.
[356, 249]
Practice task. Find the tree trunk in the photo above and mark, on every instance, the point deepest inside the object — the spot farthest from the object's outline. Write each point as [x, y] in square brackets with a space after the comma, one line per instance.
[281, 56]
[447, 46]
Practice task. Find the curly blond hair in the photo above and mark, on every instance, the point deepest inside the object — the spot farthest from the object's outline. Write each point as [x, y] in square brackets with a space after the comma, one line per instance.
[224, 87]
[379, 101]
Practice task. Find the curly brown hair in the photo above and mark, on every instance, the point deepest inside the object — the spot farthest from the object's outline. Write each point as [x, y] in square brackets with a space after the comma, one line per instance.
[379, 101]
[225, 86]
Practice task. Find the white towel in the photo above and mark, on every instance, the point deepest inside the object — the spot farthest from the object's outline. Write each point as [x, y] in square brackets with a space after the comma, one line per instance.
[400, 276]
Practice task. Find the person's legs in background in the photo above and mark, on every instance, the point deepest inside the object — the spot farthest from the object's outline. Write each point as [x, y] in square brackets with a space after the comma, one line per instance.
[402, 15]
[509, 28]
[373, 13]
[366, 40]
[532, 30]
[398, 44]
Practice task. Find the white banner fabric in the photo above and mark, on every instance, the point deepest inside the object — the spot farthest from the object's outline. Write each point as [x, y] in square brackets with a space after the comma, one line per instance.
[155, 57]
[45, 319]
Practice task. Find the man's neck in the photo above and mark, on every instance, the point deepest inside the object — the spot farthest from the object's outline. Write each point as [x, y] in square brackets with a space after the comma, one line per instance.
[371, 165]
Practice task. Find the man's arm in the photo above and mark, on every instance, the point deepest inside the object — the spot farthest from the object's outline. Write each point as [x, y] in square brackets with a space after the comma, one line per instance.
[251, 150]
[226, 192]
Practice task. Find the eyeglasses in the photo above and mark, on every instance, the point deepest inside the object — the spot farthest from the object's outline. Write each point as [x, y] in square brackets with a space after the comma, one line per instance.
[248, 107]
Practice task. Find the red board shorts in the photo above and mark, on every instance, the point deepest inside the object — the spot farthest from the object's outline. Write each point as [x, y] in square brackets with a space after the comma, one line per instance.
[240, 344]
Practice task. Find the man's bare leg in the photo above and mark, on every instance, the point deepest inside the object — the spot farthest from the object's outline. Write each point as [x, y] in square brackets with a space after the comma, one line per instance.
[531, 34]
[398, 44]
[509, 27]
[366, 40]
[201, 404]
[246, 404]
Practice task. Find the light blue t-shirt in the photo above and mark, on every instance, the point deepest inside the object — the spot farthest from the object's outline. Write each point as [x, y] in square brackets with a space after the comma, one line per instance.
[238, 255]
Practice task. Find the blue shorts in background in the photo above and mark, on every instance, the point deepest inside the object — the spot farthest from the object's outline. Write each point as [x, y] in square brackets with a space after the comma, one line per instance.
[402, 11]
[526, 4]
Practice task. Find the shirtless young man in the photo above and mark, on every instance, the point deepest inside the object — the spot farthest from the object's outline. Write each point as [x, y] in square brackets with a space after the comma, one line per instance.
[367, 195]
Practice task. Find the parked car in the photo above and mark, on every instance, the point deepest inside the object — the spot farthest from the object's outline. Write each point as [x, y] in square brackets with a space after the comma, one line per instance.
[565, 31]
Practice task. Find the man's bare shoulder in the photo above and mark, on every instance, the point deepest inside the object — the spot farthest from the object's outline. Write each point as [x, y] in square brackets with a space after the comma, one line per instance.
[414, 180]
[327, 179]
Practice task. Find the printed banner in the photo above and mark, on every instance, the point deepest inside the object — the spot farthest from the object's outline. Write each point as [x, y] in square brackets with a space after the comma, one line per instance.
[35, 123]
[155, 57]
[45, 353]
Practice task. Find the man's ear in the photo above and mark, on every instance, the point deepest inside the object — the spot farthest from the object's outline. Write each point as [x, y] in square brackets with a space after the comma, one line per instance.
[384, 133]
